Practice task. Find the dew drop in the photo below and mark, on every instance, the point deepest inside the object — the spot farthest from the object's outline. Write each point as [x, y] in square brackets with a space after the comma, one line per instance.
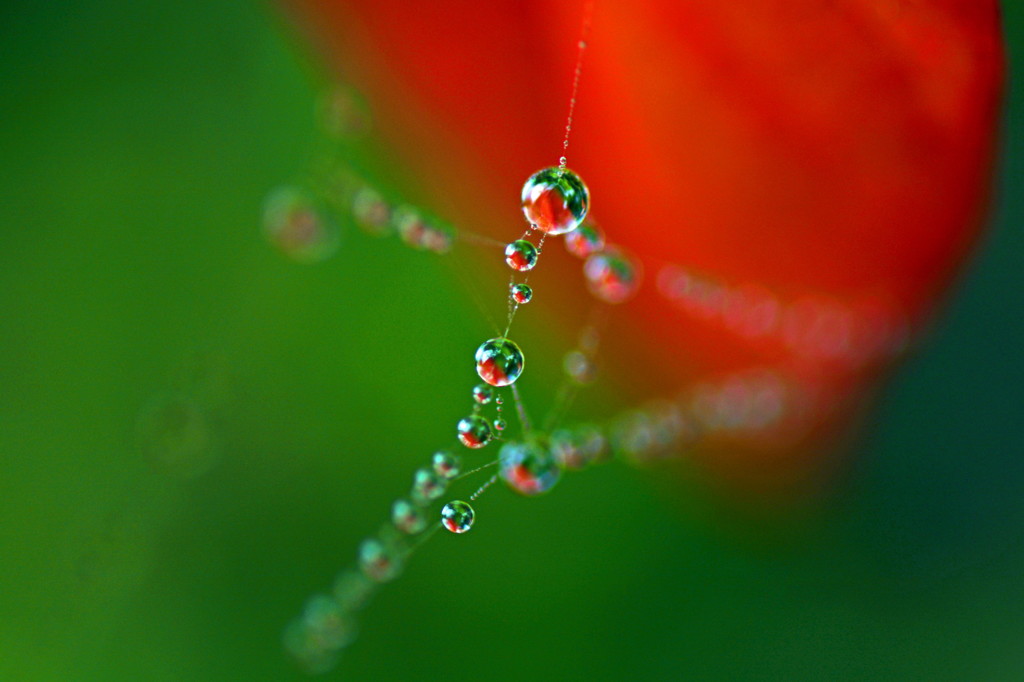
[555, 200]
[500, 424]
[294, 224]
[612, 275]
[474, 431]
[407, 517]
[427, 486]
[446, 464]
[585, 240]
[521, 255]
[379, 561]
[457, 516]
[579, 367]
[482, 394]
[499, 362]
[521, 293]
[528, 468]
[371, 212]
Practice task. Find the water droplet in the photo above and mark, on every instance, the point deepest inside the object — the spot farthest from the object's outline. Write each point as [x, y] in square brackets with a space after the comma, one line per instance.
[521, 255]
[555, 200]
[474, 431]
[306, 647]
[328, 622]
[499, 362]
[380, 561]
[294, 223]
[352, 589]
[521, 293]
[500, 424]
[420, 233]
[482, 394]
[585, 240]
[371, 212]
[612, 275]
[427, 486]
[407, 517]
[562, 161]
[579, 367]
[457, 516]
[446, 464]
[343, 113]
[528, 468]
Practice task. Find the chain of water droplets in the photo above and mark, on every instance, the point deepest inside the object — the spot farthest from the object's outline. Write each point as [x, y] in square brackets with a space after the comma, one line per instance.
[534, 462]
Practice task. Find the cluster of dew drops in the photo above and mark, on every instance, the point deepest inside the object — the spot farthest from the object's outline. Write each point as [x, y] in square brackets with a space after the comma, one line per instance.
[555, 202]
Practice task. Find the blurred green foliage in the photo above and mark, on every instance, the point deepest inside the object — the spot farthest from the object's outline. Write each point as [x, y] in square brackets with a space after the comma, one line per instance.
[138, 142]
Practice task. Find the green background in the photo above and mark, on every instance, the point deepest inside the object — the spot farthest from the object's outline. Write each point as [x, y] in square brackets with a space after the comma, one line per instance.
[137, 144]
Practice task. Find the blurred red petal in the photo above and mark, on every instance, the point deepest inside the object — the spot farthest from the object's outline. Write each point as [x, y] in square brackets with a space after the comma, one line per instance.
[802, 179]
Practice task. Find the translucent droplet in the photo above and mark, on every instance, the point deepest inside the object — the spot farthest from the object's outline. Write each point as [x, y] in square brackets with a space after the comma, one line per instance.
[407, 517]
[446, 465]
[499, 362]
[294, 224]
[474, 431]
[579, 367]
[521, 255]
[585, 240]
[500, 424]
[612, 275]
[528, 468]
[422, 234]
[304, 644]
[457, 516]
[328, 622]
[521, 293]
[380, 561]
[577, 448]
[352, 589]
[562, 161]
[482, 394]
[371, 212]
[427, 485]
[343, 113]
[555, 200]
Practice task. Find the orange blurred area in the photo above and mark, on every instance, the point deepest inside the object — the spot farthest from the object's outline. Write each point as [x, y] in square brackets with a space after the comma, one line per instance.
[802, 180]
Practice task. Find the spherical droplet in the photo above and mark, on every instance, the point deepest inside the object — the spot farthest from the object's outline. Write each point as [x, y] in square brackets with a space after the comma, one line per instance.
[294, 224]
[612, 275]
[555, 200]
[427, 486]
[407, 517]
[457, 516]
[528, 468]
[482, 394]
[328, 622]
[499, 361]
[446, 464]
[371, 212]
[343, 113]
[579, 447]
[352, 589]
[379, 561]
[474, 431]
[521, 293]
[500, 424]
[521, 255]
[307, 648]
[422, 234]
[584, 240]
[579, 367]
